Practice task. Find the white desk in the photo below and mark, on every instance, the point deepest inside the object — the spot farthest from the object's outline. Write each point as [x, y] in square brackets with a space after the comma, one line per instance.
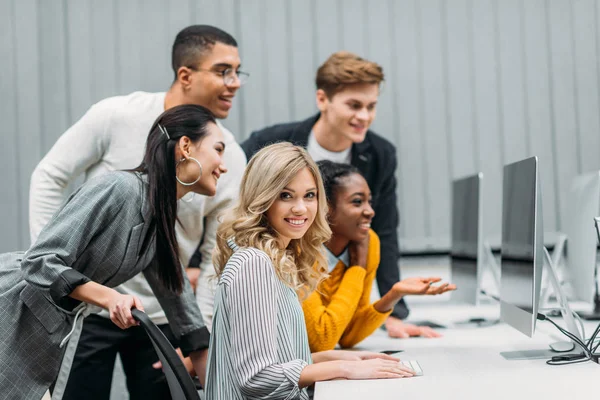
[466, 364]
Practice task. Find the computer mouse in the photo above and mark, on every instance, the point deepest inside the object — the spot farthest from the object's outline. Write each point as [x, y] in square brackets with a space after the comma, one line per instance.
[561, 347]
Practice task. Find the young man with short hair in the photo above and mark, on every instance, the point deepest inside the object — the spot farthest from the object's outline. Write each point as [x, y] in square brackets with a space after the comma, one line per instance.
[112, 136]
[347, 94]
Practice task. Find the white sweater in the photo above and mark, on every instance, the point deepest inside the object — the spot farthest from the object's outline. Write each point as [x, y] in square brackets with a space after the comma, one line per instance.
[112, 136]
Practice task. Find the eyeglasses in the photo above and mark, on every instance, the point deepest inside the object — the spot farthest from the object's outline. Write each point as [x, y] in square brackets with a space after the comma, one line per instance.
[229, 75]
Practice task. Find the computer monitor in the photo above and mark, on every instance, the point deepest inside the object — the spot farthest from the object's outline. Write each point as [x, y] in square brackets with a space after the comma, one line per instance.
[582, 207]
[522, 253]
[466, 252]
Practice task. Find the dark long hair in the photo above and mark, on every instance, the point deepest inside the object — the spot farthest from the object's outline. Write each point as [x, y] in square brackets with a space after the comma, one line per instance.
[332, 174]
[159, 165]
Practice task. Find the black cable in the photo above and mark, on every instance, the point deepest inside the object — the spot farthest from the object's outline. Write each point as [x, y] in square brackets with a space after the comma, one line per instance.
[574, 338]
[588, 353]
[568, 359]
[593, 337]
[595, 348]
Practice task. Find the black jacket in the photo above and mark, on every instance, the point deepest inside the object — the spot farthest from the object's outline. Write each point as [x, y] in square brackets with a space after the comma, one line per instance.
[375, 158]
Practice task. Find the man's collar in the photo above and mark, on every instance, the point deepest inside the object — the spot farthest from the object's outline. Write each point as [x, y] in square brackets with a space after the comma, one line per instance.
[302, 131]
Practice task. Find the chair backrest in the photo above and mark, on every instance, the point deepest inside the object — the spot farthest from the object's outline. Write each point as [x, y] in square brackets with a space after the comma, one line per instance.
[180, 383]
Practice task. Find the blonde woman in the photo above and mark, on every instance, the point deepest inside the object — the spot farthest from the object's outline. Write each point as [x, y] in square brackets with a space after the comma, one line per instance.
[266, 248]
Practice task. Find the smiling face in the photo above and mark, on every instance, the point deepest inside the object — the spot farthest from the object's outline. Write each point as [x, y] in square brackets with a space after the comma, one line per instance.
[349, 113]
[204, 85]
[209, 152]
[351, 213]
[295, 209]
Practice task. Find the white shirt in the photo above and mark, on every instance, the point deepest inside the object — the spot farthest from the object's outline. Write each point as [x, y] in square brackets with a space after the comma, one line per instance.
[332, 259]
[112, 136]
[318, 153]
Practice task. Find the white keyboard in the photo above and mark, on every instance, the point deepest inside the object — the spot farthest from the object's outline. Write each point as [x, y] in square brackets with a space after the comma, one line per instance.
[414, 365]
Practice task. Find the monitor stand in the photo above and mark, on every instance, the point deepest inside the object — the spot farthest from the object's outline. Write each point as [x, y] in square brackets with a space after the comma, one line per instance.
[595, 314]
[567, 314]
[541, 354]
[557, 256]
[489, 262]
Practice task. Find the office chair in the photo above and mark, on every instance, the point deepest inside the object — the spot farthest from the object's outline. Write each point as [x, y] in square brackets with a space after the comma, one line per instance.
[180, 383]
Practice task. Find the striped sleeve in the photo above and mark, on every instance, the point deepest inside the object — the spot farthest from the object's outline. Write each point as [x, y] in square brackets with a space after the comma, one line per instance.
[252, 305]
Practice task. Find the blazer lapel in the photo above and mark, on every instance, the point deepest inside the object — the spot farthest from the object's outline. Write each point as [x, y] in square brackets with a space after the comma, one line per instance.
[301, 132]
[147, 232]
[361, 158]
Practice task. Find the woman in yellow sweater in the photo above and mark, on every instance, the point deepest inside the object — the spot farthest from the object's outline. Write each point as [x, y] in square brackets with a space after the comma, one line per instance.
[340, 311]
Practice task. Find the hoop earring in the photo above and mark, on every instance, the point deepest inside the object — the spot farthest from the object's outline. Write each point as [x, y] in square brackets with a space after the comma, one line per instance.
[199, 166]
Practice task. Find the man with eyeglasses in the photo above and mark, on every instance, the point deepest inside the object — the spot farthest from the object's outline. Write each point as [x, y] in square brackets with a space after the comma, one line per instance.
[112, 136]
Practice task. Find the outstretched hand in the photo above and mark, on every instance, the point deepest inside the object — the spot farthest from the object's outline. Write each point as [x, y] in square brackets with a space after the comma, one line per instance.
[422, 286]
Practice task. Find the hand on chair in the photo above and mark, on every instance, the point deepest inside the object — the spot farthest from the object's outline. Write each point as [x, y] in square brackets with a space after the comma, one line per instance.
[119, 309]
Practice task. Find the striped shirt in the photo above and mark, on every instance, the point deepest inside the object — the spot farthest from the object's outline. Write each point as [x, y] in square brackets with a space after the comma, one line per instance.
[259, 345]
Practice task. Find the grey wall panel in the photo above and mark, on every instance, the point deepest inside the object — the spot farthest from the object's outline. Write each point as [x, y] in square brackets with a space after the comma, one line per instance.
[487, 106]
[105, 49]
[28, 105]
[12, 178]
[207, 11]
[301, 77]
[470, 85]
[463, 140]
[54, 93]
[179, 15]
[586, 83]
[438, 169]
[128, 34]
[327, 26]
[537, 106]
[510, 26]
[378, 42]
[155, 45]
[565, 127]
[276, 90]
[227, 20]
[79, 57]
[252, 94]
[408, 116]
[353, 25]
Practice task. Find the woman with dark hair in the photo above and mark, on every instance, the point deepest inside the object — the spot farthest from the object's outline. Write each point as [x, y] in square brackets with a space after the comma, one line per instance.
[110, 229]
[340, 310]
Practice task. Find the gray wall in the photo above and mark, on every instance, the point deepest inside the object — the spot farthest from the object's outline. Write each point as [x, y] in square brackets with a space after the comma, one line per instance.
[471, 85]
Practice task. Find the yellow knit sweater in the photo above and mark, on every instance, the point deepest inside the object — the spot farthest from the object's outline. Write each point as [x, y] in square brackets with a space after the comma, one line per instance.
[339, 311]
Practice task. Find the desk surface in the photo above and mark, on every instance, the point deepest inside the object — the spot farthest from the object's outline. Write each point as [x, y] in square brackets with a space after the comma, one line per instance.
[466, 363]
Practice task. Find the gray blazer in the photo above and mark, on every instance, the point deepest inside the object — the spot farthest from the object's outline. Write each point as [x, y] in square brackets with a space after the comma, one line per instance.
[103, 233]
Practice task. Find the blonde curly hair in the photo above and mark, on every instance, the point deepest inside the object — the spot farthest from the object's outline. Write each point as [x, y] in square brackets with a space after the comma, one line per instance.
[267, 174]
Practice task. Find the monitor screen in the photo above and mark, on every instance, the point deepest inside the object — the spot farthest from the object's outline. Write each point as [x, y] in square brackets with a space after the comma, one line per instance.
[521, 254]
[466, 243]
